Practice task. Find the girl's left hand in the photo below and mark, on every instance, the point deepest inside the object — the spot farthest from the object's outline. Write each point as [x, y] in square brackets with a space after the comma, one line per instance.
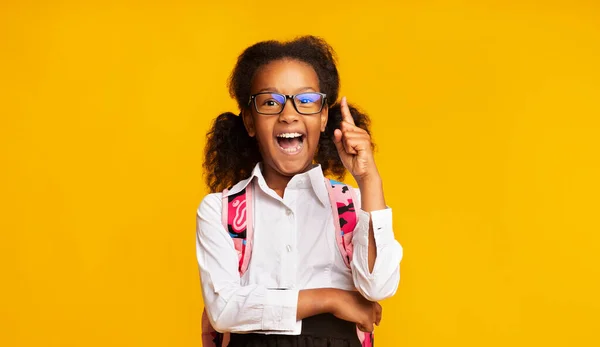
[354, 147]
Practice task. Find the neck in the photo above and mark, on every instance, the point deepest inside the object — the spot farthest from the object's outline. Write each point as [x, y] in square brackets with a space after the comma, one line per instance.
[276, 180]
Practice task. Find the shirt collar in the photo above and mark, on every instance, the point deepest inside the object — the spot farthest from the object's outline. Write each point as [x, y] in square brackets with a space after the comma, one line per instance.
[238, 187]
[318, 184]
[315, 180]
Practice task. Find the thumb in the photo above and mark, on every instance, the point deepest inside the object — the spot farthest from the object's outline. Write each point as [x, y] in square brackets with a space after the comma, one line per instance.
[337, 140]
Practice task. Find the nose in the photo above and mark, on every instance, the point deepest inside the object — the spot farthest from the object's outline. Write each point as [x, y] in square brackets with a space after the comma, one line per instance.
[289, 113]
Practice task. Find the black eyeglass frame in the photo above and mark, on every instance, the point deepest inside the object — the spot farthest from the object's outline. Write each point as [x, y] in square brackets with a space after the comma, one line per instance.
[287, 96]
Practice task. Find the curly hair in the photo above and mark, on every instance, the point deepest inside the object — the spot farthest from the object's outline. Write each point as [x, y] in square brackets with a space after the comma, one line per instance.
[231, 154]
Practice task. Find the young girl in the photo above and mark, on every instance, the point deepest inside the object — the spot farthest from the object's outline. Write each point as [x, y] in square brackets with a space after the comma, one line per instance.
[291, 131]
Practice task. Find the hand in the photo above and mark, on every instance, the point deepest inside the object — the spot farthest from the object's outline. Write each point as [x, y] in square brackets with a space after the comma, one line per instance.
[354, 146]
[353, 307]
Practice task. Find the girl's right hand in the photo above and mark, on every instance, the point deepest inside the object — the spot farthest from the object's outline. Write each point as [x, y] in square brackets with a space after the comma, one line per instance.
[353, 307]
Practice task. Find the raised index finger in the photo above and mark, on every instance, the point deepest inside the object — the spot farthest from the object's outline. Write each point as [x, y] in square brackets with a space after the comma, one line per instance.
[346, 115]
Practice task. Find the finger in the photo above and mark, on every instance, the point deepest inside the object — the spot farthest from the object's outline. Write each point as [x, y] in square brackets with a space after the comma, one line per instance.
[337, 141]
[348, 127]
[346, 115]
[355, 135]
[360, 141]
[355, 145]
[349, 143]
[352, 127]
[365, 328]
[350, 147]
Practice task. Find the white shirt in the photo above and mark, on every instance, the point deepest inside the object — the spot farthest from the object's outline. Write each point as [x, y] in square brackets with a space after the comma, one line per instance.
[294, 249]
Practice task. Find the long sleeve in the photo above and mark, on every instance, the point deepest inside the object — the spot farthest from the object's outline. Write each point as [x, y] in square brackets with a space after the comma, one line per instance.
[383, 282]
[230, 306]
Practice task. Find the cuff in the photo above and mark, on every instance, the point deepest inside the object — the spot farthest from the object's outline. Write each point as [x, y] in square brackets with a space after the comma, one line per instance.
[382, 227]
[280, 309]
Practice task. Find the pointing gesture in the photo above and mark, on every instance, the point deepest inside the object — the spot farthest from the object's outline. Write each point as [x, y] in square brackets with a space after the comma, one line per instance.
[354, 146]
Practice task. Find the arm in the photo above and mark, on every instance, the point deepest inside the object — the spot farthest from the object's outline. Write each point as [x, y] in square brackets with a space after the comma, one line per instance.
[233, 307]
[376, 256]
[312, 302]
[347, 305]
[371, 201]
[229, 305]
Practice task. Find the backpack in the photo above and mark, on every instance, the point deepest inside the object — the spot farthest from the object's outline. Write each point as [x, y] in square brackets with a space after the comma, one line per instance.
[237, 217]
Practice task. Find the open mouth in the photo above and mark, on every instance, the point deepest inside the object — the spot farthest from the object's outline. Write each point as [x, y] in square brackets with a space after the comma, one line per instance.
[290, 143]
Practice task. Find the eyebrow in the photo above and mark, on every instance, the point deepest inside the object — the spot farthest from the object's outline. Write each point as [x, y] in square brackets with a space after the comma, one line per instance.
[274, 90]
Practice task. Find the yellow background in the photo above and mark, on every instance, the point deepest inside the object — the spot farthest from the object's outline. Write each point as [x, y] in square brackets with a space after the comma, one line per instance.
[485, 113]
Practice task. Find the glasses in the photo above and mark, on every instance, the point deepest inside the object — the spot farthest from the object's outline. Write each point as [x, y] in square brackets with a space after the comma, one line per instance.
[273, 103]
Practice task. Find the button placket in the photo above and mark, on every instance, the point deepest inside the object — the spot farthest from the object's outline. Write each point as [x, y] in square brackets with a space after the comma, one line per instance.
[289, 274]
[288, 254]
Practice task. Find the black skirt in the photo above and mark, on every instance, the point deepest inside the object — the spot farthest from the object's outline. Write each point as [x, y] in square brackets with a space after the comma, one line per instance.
[324, 330]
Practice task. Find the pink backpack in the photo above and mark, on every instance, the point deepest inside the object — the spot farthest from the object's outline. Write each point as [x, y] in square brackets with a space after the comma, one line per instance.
[237, 217]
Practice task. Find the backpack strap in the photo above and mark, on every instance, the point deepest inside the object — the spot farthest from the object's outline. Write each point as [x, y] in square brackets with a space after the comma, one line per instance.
[237, 218]
[366, 339]
[344, 216]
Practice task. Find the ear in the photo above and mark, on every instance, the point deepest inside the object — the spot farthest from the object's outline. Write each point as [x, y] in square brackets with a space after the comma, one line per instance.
[248, 122]
[324, 117]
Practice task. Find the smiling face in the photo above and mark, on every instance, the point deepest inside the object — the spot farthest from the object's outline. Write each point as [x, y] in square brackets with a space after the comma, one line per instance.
[287, 141]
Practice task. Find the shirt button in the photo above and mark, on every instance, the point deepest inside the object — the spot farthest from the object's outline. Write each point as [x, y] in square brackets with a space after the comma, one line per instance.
[289, 248]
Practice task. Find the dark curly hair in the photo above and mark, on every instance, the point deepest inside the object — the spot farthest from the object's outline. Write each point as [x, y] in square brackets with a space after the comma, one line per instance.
[231, 154]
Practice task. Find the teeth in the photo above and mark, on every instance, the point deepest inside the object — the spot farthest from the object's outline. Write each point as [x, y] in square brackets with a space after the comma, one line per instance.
[289, 135]
[292, 149]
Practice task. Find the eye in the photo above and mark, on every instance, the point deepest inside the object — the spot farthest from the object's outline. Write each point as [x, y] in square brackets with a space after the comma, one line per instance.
[270, 99]
[308, 98]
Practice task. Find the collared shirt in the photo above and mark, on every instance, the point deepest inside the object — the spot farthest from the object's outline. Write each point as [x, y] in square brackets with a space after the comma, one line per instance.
[294, 249]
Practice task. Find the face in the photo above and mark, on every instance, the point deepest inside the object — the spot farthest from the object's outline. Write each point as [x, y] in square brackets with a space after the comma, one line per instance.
[287, 141]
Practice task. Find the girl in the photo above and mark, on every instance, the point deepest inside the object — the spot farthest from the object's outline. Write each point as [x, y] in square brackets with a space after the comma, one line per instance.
[291, 131]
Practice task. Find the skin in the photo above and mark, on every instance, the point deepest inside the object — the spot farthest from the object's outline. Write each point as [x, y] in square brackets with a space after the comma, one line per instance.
[288, 76]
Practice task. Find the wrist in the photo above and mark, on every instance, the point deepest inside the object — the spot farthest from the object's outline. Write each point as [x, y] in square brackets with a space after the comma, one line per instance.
[371, 192]
[370, 179]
